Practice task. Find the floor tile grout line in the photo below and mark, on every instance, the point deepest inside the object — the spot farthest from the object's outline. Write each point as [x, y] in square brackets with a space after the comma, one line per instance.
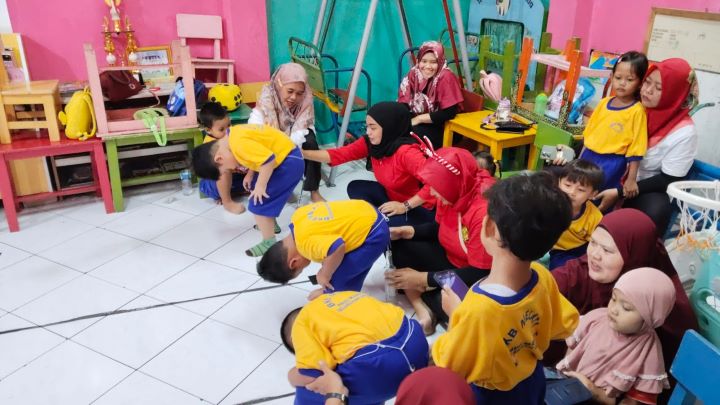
[250, 373]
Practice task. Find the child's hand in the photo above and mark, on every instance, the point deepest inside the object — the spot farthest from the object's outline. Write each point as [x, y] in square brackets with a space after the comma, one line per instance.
[391, 208]
[324, 280]
[607, 198]
[401, 232]
[330, 381]
[630, 188]
[316, 293]
[247, 180]
[560, 157]
[450, 300]
[258, 193]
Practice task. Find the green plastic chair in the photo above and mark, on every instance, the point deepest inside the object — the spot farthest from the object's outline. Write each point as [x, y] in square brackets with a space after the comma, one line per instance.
[546, 135]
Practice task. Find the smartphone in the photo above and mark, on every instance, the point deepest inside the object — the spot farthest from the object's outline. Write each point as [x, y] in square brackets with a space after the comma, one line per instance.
[450, 279]
[550, 152]
[553, 374]
[566, 391]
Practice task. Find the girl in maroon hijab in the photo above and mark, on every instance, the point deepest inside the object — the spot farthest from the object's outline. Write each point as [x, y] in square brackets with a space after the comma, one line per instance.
[624, 240]
[432, 386]
[432, 92]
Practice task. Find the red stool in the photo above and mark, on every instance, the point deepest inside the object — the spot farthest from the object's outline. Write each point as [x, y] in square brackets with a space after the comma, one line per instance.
[30, 148]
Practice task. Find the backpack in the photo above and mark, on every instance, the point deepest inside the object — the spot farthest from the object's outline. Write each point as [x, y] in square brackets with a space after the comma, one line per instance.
[176, 103]
[79, 116]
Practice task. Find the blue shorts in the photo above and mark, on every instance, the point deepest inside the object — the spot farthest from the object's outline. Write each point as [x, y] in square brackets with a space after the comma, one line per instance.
[530, 391]
[613, 167]
[281, 184]
[355, 266]
[209, 187]
[375, 372]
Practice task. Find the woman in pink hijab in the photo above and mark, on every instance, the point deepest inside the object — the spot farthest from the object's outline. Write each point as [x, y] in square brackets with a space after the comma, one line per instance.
[432, 92]
[286, 103]
[615, 350]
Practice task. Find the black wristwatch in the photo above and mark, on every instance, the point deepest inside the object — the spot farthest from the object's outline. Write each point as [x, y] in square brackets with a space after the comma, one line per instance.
[337, 395]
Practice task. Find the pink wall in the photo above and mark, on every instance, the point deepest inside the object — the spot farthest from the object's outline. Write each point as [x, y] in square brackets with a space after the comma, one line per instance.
[611, 25]
[54, 31]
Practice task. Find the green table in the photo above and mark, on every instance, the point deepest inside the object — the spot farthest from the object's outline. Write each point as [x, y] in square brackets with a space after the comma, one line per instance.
[193, 137]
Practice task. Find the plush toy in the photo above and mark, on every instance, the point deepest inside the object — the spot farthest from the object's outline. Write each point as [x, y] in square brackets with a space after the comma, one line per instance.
[79, 116]
[227, 95]
[491, 85]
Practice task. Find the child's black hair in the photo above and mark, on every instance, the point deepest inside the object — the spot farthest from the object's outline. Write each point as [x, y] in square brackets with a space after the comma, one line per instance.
[286, 329]
[584, 172]
[273, 266]
[203, 161]
[638, 63]
[211, 112]
[486, 161]
[530, 212]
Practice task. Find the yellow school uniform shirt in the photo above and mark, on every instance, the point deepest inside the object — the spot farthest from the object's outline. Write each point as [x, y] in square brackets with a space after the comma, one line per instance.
[334, 326]
[495, 345]
[580, 228]
[208, 139]
[321, 227]
[254, 145]
[617, 131]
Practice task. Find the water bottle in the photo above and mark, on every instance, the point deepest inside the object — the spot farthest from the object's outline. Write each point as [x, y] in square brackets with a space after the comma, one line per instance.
[185, 179]
[541, 101]
[390, 291]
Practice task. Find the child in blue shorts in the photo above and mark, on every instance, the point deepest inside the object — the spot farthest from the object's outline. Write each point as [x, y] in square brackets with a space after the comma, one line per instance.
[369, 343]
[275, 166]
[215, 122]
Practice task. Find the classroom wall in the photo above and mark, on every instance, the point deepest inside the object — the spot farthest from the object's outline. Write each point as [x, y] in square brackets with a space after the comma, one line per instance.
[621, 25]
[54, 32]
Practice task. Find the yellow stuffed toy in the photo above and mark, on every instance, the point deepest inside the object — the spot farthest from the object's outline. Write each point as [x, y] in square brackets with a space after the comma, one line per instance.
[79, 116]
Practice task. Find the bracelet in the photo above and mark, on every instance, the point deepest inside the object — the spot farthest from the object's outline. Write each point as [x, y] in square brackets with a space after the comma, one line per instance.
[406, 203]
[342, 397]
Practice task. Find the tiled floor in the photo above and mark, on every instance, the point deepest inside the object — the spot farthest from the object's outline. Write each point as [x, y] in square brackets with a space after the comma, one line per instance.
[70, 260]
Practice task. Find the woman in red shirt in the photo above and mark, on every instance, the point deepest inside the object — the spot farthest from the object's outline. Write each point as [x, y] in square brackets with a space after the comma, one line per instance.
[452, 242]
[396, 159]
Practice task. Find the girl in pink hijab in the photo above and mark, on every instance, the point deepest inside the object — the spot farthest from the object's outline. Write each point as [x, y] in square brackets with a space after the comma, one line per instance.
[286, 103]
[431, 92]
[615, 350]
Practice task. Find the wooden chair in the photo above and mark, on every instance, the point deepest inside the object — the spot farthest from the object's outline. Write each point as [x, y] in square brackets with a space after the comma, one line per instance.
[196, 26]
[694, 367]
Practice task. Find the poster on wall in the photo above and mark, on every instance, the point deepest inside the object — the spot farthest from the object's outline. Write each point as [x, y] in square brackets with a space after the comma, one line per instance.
[531, 13]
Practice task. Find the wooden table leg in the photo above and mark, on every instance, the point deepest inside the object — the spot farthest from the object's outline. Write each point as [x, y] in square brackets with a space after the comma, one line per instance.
[8, 195]
[532, 157]
[114, 171]
[51, 118]
[102, 178]
[5, 136]
[448, 135]
[496, 150]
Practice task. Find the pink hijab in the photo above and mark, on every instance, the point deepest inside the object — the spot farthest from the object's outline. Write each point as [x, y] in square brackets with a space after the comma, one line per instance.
[616, 362]
[275, 113]
[436, 93]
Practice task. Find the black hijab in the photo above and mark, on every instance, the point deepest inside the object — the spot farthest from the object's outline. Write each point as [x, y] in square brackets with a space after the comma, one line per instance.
[394, 119]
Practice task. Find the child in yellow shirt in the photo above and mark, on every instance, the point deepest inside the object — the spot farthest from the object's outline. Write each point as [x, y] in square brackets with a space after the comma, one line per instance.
[581, 181]
[345, 236]
[275, 166]
[369, 343]
[498, 333]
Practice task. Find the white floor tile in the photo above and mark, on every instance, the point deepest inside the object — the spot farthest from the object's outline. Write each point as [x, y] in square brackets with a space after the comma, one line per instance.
[143, 268]
[84, 295]
[28, 279]
[51, 231]
[136, 337]
[147, 222]
[10, 255]
[202, 279]
[152, 192]
[91, 212]
[210, 360]
[233, 253]
[77, 254]
[192, 204]
[243, 221]
[276, 303]
[198, 236]
[141, 389]
[268, 380]
[20, 348]
[68, 374]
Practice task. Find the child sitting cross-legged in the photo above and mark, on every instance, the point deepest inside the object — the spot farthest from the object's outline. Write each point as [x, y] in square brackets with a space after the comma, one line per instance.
[581, 181]
[275, 166]
[498, 333]
[215, 122]
[369, 343]
[345, 236]
[615, 350]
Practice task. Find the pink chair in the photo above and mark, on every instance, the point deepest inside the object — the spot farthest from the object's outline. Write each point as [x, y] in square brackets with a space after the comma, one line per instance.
[196, 26]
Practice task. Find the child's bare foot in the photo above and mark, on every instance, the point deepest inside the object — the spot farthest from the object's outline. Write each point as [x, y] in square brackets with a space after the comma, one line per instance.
[234, 207]
[315, 196]
[428, 324]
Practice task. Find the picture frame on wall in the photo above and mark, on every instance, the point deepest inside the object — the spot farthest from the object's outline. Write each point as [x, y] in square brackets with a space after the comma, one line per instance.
[155, 55]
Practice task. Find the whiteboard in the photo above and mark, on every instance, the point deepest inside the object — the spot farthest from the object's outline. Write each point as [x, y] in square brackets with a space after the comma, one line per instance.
[693, 36]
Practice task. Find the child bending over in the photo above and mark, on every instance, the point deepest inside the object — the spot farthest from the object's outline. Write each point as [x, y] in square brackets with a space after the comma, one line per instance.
[275, 166]
[498, 333]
